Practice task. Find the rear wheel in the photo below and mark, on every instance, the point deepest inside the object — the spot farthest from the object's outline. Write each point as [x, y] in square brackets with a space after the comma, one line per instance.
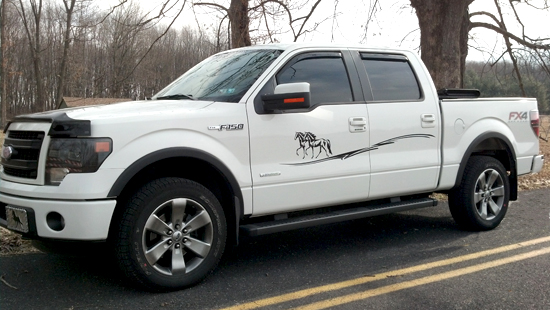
[481, 200]
[172, 234]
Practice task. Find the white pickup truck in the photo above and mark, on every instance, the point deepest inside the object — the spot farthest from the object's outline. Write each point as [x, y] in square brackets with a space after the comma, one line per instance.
[261, 140]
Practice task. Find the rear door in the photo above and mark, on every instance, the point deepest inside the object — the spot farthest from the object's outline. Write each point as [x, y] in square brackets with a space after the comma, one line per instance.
[404, 126]
[311, 158]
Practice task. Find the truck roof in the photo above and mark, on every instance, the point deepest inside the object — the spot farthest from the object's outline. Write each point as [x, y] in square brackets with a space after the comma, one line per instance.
[295, 46]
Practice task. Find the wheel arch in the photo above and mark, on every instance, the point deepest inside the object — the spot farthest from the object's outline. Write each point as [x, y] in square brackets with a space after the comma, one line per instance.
[496, 145]
[192, 164]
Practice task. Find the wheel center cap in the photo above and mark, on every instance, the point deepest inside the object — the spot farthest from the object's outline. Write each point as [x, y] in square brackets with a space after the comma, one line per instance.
[177, 236]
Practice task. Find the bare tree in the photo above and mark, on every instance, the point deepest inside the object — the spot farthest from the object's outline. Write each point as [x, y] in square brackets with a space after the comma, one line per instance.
[68, 6]
[238, 16]
[444, 27]
[32, 30]
[277, 9]
[264, 13]
[2, 64]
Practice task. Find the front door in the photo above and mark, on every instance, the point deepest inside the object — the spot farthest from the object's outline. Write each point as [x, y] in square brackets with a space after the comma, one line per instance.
[313, 158]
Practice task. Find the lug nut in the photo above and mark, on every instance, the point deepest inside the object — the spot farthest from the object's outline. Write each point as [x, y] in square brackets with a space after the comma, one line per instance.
[177, 245]
[169, 233]
[170, 242]
[185, 231]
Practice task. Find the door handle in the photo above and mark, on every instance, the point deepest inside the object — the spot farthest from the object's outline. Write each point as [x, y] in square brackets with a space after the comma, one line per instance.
[358, 121]
[428, 118]
[357, 124]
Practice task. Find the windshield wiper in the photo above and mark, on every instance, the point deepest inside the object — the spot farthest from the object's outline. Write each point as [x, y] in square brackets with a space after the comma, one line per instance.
[176, 97]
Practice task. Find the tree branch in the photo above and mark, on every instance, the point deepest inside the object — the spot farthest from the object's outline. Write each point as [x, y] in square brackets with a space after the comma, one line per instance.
[307, 18]
[509, 49]
[483, 13]
[213, 5]
[510, 35]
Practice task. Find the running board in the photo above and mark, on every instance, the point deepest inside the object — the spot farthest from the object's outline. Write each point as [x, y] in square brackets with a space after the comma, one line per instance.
[270, 227]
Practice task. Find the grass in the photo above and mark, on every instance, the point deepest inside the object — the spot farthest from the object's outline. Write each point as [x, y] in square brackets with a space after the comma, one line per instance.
[11, 243]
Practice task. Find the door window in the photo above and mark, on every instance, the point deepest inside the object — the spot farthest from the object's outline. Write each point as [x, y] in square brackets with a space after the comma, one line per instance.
[391, 78]
[326, 74]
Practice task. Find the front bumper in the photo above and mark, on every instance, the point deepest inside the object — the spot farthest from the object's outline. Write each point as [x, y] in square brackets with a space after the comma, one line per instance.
[82, 220]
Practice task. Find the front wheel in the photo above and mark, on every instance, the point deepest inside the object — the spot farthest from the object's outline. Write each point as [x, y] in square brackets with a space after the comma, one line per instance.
[481, 200]
[172, 234]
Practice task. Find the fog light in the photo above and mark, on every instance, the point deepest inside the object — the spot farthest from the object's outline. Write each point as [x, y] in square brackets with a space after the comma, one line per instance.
[55, 221]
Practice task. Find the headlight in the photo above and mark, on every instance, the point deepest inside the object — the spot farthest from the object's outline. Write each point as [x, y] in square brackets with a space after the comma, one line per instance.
[75, 156]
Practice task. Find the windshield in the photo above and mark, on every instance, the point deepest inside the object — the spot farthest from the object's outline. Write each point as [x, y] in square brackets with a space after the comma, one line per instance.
[222, 77]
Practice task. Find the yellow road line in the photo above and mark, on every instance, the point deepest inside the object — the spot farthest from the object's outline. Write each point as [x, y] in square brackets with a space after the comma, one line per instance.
[426, 280]
[340, 285]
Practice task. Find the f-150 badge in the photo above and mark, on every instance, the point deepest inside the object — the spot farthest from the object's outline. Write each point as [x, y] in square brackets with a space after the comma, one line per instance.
[228, 127]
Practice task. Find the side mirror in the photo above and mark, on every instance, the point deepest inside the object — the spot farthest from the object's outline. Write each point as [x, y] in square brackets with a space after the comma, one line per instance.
[288, 97]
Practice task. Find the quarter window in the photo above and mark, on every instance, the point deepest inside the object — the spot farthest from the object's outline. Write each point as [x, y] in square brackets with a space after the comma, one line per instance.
[326, 74]
[391, 78]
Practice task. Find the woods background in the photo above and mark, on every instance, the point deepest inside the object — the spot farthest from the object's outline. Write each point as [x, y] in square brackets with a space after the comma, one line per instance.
[77, 48]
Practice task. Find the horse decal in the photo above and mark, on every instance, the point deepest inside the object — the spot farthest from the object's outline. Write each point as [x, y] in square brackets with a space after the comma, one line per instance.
[312, 143]
[301, 137]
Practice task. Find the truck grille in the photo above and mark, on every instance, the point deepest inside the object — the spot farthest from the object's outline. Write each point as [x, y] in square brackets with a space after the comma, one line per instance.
[24, 155]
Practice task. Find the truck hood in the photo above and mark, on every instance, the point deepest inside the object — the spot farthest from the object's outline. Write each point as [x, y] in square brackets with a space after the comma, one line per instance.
[134, 109]
[74, 122]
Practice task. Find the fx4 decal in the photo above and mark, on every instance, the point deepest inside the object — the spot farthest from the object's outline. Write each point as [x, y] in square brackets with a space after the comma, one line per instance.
[228, 127]
[518, 117]
[309, 139]
[360, 151]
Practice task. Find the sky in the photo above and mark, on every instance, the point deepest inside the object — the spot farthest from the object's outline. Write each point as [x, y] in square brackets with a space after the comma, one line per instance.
[394, 24]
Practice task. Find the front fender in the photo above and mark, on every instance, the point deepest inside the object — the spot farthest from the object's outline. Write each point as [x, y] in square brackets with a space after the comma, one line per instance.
[159, 155]
[229, 150]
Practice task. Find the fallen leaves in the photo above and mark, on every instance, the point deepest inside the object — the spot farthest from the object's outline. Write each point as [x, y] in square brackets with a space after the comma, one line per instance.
[12, 243]
[541, 179]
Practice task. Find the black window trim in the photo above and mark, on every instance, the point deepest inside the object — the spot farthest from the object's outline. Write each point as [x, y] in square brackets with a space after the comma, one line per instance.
[359, 56]
[321, 54]
[350, 64]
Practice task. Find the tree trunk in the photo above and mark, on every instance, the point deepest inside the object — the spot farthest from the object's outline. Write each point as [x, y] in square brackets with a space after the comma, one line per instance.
[3, 74]
[37, 61]
[35, 48]
[238, 15]
[69, 8]
[444, 26]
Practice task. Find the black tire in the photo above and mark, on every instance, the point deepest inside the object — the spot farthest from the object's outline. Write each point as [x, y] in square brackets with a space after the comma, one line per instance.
[172, 234]
[481, 200]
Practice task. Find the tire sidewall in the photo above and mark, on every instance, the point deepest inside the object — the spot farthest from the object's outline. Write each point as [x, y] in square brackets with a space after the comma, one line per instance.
[482, 164]
[159, 192]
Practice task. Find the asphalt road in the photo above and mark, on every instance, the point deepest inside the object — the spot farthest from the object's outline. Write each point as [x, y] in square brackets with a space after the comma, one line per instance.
[411, 260]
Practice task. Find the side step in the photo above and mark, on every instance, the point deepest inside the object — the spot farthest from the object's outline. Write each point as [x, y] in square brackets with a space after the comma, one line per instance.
[270, 227]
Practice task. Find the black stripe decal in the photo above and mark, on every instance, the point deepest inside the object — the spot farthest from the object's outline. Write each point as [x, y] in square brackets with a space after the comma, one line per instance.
[363, 150]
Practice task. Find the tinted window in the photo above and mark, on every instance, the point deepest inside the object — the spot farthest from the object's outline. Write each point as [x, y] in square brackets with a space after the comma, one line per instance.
[392, 79]
[326, 75]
